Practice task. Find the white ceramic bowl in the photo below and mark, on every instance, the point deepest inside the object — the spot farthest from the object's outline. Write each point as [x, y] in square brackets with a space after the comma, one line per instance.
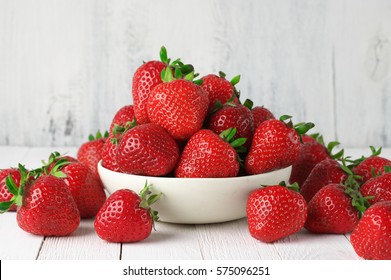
[196, 200]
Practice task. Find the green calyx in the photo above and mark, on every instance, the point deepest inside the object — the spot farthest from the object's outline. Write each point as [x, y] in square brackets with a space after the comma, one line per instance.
[352, 189]
[53, 167]
[118, 130]
[176, 69]
[170, 74]
[355, 162]
[16, 191]
[228, 136]
[293, 187]
[301, 128]
[147, 199]
[98, 135]
[330, 146]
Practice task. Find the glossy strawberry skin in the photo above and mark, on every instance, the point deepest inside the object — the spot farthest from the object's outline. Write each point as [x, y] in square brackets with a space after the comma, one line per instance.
[147, 150]
[109, 154]
[179, 106]
[218, 89]
[121, 219]
[90, 153]
[86, 188]
[376, 163]
[371, 238]
[324, 173]
[124, 114]
[274, 146]
[146, 77]
[206, 155]
[237, 116]
[261, 114]
[311, 153]
[331, 211]
[48, 208]
[379, 187]
[275, 212]
[5, 195]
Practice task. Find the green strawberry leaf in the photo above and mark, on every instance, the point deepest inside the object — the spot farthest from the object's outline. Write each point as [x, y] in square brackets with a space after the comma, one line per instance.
[235, 80]
[238, 142]
[11, 185]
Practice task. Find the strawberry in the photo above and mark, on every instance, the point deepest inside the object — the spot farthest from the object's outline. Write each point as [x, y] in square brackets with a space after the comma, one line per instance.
[123, 116]
[275, 145]
[86, 188]
[126, 216]
[261, 114]
[208, 155]
[109, 153]
[379, 188]
[371, 238]
[334, 209]
[147, 77]
[147, 149]
[274, 212]
[231, 115]
[46, 205]
[5, 195]
[220, 90]
[90, 153]
[370, 166]
[312, 151]
[178, 105]
[326, 172]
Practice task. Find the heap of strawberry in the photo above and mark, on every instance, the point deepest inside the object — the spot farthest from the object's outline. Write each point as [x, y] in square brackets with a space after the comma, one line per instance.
[182, 127]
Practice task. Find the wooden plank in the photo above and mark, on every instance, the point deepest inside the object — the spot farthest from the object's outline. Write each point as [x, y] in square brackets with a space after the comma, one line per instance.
[306, 246]
[169, 241]
[16, 243]
[231, 240]
[361, 40]
[83, 244]
[319, 61]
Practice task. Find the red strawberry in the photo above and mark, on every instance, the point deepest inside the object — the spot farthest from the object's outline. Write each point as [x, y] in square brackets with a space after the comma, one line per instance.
[126, 216]
[207, 155]
[90, 153]
[312, 151]
[275, 145]
[48, 208]
[5, 195]
[148, 150]
[231, 115]
[46, 205]
[86, 188]
[179, 106]
[219, 89]
[373, 165]
[371, 239]
[326, 172]
[123, 116]
[146, 77]
[378, 187]
[109, 153]
[331, 211]
[275, 212]
[261, 114]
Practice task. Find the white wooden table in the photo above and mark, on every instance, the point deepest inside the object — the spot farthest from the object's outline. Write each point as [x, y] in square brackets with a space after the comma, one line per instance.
[225, 241]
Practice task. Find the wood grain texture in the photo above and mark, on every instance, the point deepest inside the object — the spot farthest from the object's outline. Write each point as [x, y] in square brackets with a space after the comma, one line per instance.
[68, 65]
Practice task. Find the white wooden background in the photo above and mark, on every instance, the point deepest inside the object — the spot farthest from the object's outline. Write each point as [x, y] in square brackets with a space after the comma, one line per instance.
[66, 66]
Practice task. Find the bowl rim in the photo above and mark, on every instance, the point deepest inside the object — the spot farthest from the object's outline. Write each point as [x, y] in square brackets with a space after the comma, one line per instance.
[193, 179]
